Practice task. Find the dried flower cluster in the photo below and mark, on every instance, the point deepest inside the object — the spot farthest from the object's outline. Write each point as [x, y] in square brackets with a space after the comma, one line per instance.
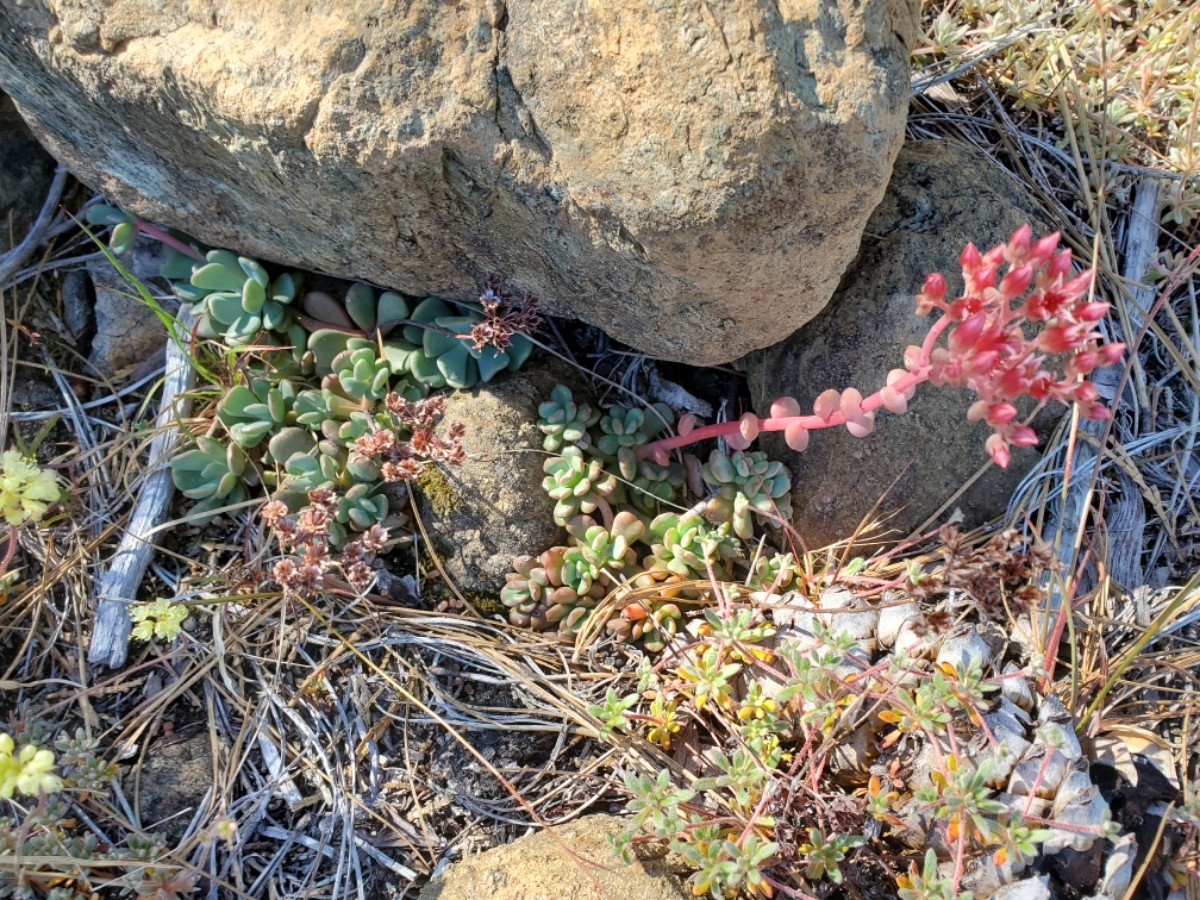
[997, 578]
[305, 536]
[986, 350]
[503, 317]
[402, 458]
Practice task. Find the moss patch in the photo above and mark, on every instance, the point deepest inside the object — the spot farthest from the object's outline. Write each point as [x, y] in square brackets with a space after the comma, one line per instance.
[436, 488]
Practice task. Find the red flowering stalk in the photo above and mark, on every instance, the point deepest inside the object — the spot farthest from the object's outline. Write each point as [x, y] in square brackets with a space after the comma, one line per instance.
[986, 350]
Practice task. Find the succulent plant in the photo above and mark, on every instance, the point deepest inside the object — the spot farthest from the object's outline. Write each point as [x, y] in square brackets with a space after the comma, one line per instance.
[773, 570]
[211, 473]
[747, 482]
[361, 506]
[314, 407]
[363, 310]
[599, 549]
[623, 428]
[252, 412]
[235, 297]
[362, 374]
[564, 421]
[650, 484]
[537, 597]
[579, 485]
[679, 545]
[448, 355]
[124, 225]
[337, 471]
[652, 622]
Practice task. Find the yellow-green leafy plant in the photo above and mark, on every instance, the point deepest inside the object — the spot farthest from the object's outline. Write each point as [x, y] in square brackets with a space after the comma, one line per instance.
[26, 489]
[161, 618]
[27, 771]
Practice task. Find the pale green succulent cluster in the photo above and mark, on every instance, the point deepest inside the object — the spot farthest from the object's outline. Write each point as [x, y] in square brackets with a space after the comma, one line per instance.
[654, 549]
[292, 423]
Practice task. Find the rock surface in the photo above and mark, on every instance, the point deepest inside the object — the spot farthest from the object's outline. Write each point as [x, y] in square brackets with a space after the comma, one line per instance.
[127, 334]
[942, 195]
[538, 867]
[492, 507]
[691, 177]
[26, 171]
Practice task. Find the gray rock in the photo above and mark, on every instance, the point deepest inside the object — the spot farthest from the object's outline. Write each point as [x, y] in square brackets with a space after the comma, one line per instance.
[492, 508]
[650, 168]
[893, 617]
[1026, 889]
[860, 626]
[128, 334]
[960, 650]
[942, 195]
[1041, 770]
[1118, 867]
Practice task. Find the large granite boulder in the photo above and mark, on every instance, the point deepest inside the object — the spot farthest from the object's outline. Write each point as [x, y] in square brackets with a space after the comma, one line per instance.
[693, 177]
[942, 195]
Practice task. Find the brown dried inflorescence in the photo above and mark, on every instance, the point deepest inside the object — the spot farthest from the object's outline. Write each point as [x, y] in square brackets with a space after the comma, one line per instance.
[997, 578]
[305, 538]
[403, 459]
[503, 317]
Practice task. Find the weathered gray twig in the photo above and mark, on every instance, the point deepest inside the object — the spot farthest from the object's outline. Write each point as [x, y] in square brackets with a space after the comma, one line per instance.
[118, 585]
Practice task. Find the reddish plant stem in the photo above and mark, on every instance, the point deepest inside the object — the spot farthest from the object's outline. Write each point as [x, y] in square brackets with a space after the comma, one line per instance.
[153, 231]
[811, 422]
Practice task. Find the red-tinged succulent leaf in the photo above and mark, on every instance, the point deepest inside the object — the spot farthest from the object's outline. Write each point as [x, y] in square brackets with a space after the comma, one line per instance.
[737, 441]
[796, 436]
[785, 408]
[687, 422]
[862, 427]
[893, 400]
[748, 426]
[827, 404]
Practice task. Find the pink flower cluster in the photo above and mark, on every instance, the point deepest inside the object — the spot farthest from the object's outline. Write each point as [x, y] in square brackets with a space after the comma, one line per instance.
[986, 350]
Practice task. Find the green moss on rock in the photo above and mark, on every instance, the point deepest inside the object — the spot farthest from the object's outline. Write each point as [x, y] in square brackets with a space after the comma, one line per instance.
[436, 488]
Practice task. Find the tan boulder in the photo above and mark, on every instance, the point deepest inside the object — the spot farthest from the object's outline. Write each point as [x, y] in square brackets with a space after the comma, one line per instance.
[693, 177]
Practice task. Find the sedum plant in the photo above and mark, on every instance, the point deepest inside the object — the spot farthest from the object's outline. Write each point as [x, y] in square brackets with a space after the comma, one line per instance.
[579, 486]
[747, 483]
[565, 422]
[253, 412]
[1011, 290]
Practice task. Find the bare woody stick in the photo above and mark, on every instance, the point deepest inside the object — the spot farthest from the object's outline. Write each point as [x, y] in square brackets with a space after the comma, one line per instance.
[119, 584]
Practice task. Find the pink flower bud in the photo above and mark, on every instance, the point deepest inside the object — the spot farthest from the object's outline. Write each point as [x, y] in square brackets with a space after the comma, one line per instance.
[1023, 436]
[998, 449]
[977, 411]
[1111, 353]
[1083, 363]
[749, 427]
[1015, 282]
[1060, 265]
[785, 408]
[967, 332]
[935, 287]
[1096, 411]
[1078, 286]
[1091, 312]
[796, 436]
[984, 362]
[1018, 245]
[827, 404]
[1001, 413]
[970, 259]
[1044, 249]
